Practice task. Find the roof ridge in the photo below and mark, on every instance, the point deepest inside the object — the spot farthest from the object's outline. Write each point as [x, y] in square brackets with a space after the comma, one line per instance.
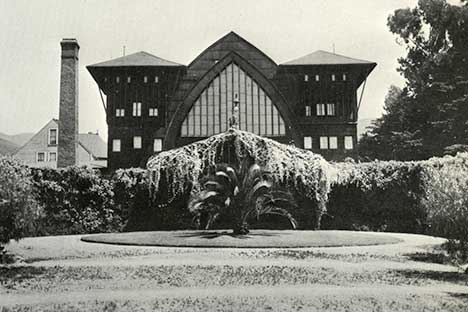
[318, 57]
[136, 59]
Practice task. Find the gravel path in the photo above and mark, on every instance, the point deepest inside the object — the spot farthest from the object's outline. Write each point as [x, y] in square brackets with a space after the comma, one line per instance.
[66, 274]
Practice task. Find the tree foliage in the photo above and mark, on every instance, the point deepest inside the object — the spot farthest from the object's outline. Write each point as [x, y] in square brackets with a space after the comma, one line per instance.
[18, 208]
[180, 171]
[430, 113]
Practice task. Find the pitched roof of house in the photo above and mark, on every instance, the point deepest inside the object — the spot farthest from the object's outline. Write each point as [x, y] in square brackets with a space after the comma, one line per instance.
[141, 58]
[321, 57]
[93, 143]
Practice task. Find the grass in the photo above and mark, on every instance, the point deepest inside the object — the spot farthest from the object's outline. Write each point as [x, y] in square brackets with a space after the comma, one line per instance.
[66, 274]
[255, 239]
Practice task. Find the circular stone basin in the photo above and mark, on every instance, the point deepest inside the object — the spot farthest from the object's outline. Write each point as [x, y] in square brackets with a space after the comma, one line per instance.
[255, 239]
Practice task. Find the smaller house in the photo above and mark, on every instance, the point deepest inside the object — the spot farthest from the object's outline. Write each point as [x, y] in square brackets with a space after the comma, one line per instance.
[41, 149]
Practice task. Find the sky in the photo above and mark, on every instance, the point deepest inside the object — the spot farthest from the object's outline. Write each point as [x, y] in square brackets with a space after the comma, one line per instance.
[177, 31]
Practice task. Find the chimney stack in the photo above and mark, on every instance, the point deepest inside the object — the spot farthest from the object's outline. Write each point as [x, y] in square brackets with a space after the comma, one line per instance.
[68, 111]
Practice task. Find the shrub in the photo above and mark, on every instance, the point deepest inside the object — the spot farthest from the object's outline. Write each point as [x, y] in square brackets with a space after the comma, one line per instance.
[75, 200]
[144, 211]
[377, 196]
[245, 192]
[446, 200]
[18, 208]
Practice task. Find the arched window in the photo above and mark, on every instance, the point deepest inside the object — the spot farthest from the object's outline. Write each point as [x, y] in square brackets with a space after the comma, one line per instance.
[210, 113]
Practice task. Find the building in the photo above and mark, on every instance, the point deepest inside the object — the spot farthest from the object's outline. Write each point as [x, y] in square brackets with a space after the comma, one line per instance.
[153, 104]
[42, 149]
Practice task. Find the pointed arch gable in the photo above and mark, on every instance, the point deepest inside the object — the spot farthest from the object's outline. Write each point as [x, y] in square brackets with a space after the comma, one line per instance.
[232, 42]
[185, 106]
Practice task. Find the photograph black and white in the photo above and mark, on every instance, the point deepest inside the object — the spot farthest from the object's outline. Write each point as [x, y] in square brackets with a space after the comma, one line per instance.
[234, 155]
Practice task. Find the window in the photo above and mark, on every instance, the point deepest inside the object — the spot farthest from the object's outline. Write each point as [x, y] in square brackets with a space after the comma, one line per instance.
[40, 157]
[211, 111]
[157, 145]
[306, 77]
[345, 77]
[320, 109]
[120, 112]
[156, 79]
[117, 79]
[52, 156]
[333, 142]
[52, 137]
[323, 142]
[348, 142]
[137, 142]
[317, 77]
[333, 77]
[153, 112]
[308, 142]
[116, 145]
[129, 79]
[137, 109]
[145, 79]
[331, 109]
[308, 110]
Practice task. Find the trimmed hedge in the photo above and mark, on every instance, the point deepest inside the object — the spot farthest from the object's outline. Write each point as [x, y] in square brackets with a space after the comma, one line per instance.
[377, 196]
[413, 197]
[75, 201]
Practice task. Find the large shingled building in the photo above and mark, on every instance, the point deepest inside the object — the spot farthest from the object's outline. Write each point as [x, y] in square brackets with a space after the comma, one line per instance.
[153, 104]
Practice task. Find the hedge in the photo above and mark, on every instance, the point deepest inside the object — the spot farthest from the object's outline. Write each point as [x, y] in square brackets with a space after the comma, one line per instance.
[75, 200]
[414, 197]
[377, 196]
[18, 208]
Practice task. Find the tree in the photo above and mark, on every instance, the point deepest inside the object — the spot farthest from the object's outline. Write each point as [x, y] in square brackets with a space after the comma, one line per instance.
[431, 112]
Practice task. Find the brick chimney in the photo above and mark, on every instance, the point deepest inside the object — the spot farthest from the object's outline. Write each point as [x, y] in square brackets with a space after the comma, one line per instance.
[68, 111]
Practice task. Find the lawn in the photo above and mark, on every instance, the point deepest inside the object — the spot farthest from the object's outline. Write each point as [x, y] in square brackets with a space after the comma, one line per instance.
[255, 239]
[66, 274]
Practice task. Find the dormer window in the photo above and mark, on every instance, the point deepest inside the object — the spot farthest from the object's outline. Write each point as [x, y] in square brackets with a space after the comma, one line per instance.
[52, 139]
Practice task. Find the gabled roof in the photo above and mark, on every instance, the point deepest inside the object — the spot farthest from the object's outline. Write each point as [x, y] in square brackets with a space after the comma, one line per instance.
[321, 57]
[93, 144]
[141, 58]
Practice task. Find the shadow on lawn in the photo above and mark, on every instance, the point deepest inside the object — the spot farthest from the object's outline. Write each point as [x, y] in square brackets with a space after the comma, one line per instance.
[452, 277]
[216, 234]
[463, 296]
[429, 257]
[19, 273]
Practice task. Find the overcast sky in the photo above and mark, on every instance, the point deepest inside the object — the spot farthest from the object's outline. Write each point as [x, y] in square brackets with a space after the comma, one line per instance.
[178, 31]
